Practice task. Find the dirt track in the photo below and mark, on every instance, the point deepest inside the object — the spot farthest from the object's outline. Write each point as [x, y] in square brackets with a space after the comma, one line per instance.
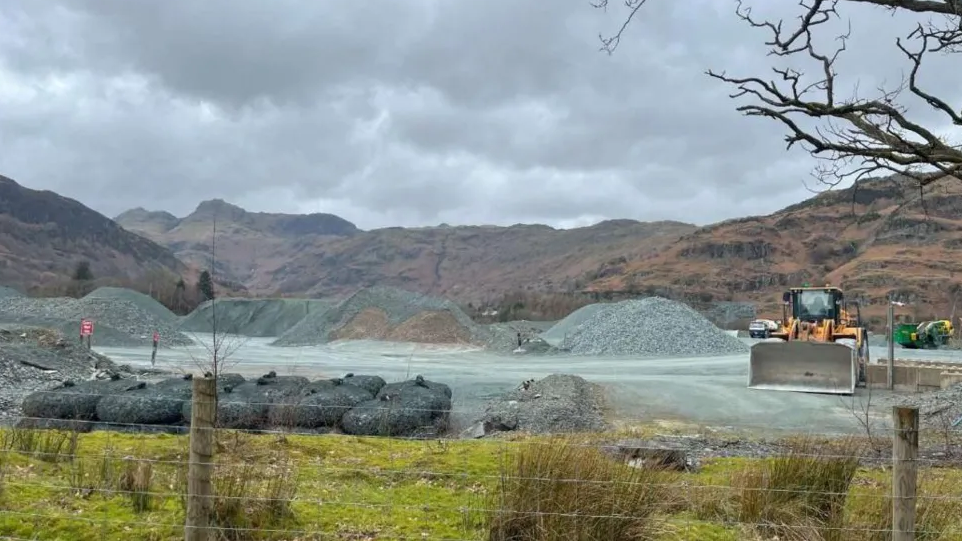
[708, 391]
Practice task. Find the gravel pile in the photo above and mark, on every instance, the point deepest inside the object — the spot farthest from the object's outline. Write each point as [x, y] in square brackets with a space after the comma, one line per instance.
[34, 359]
[384, 313]
[559, 403]
[9, 292]
[117, 322]
[252, 317]
[557, 334]
[651, 327]
[143, 302]
[938, 410]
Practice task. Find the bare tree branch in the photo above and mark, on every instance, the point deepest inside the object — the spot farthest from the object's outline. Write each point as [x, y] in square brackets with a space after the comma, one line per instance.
[855, 137]
[609, 44]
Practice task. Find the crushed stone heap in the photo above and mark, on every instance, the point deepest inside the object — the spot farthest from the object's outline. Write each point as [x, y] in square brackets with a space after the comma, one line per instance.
[252, 317]
[9, 292]
[558, 333]
[650, 327]
[559, 403]
[33, 359]
[395, 315]
[122, 317]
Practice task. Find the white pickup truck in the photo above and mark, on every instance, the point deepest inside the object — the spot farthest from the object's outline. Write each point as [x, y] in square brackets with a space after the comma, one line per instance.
[762, 328]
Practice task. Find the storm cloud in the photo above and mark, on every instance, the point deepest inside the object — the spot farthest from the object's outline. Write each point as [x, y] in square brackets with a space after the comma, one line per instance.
[411, 112]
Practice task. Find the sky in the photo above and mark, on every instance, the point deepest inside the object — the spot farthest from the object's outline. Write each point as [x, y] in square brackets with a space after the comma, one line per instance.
[412, 112]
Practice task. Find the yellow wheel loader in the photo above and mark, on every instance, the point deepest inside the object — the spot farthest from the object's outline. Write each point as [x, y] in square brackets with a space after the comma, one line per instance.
[819, 346]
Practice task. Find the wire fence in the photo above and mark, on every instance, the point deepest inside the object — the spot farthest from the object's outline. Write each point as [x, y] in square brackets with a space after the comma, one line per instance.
[224, 476]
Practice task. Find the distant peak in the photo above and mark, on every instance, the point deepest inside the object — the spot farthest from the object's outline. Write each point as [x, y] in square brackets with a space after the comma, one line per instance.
[216, 204]
[616, 222]
[140, 213]
[218, 208]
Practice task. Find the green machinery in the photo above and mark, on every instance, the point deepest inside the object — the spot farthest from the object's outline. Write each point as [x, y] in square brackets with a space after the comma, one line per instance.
[924, 335]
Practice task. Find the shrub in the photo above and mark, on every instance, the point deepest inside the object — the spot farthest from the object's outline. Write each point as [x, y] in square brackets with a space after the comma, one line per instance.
[45, 444]
[799, 495]
[249, 496]
[136, 483]
[936, 514]
[562, 491]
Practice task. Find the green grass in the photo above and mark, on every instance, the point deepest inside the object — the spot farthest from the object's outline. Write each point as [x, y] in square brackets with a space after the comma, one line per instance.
[110, 486]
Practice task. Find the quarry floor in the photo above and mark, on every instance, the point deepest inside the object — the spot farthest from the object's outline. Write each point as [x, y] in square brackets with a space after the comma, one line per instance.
[708, 391]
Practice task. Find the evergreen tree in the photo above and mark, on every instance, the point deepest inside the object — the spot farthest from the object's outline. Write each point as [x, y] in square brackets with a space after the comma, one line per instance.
[206, 286]
[82, 272]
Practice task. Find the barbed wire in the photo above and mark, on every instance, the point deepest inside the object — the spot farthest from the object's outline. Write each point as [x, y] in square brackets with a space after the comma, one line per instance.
[514, 478]
[114, 465]
[610, 440]
[397, 506]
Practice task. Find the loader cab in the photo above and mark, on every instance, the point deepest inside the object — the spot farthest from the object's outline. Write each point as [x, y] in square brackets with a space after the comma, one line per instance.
[814, 304]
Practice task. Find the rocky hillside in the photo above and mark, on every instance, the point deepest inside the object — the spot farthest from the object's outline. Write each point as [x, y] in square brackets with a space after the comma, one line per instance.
[44, 235]
[321, 254]
[883, 240]
[880, 241]
[473, 263]
[249, 244]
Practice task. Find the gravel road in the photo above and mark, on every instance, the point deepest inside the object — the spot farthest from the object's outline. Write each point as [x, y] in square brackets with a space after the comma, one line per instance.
[709, 390]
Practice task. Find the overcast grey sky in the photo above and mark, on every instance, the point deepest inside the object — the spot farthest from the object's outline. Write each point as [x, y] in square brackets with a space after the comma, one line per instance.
[405, 112]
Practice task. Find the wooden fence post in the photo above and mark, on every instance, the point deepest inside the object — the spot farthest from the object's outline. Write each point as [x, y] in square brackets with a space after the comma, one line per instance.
[905, 453]
[890, 377]
[199, 472]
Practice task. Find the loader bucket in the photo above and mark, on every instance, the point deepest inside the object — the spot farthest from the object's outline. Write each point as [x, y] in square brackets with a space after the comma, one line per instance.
[807, 367]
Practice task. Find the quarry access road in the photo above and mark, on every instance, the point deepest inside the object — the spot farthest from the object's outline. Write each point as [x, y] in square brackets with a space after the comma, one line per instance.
[705, 390]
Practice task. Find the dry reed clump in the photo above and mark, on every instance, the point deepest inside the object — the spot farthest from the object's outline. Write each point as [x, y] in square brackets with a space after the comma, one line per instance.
[249, 496]
[130, 477]
[136, 482]
[800, 495]
[3, 477]
[562, 491]
[44, 444]
[936, 516]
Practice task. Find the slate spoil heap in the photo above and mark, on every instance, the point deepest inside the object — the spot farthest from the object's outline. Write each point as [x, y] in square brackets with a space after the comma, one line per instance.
[123, 318]
[9, 293]
[33, 359]
[559, 403]
[252, 317]
[395, 315]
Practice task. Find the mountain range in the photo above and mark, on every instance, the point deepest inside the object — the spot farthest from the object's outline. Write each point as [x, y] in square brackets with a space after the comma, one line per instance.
[324, 255]
[43, 236]
[882, 240]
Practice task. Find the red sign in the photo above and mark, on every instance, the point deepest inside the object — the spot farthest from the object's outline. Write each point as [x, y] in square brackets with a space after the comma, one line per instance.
[156, 336]
[86, 327]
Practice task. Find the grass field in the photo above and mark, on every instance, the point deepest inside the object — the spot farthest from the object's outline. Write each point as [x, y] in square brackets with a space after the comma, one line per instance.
[111, 486]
